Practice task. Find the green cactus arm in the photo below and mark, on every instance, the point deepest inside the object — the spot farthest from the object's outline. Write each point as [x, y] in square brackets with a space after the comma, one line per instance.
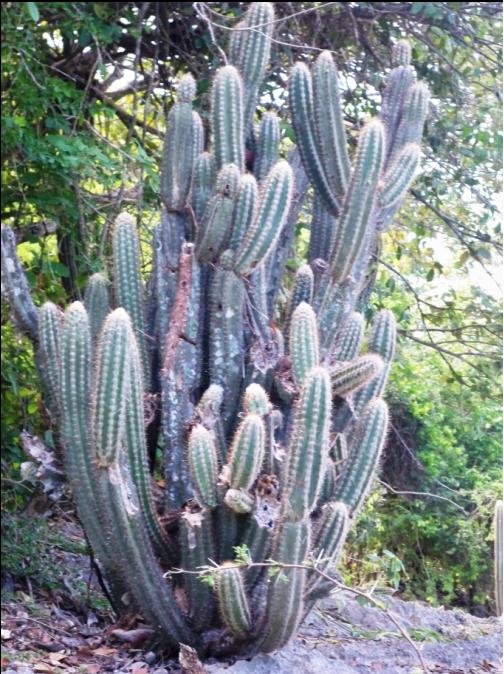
[349, 340]
[258, 534]
[399, 81]
[217, 223]
[361, 465]
[399, 176]
[227, 118]
[247, 452]
[112, 385]
[303, 342]
[136, 452]
[250, 52]
[309, 446]
[328, 540]
[202, 456]
[128, 283]
[360, 199]
[302, 110]
[382, 342]
[353, 375]
[76, 366]
[330, 131]
[245, 210]
[268, 141]
[203, 183]
[322, 231]
[15, 287]
[301, 292]
[139, 566]
[413, 115]
[97, 302]
[232, 599]
[179, 148]
[50, 326]
[256, 400]
[197, 550]
[285, 594]
[273, 208]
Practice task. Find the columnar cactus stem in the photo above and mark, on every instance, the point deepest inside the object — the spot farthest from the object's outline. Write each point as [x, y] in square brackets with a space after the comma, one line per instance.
[400, 175]
[97, 303]
[183, 139]
[330, 131]
[197, 550]
[274, 203]
[309, 446]
[322, 231]
[203, 465]
[382, 342]
[302, 109]
[401, 53]
[250, 51]
[360, 467]
[203, 183]
[399, 82]
[50, 326]
[302, 292]
[328, 540]
[233, 602]
[217, 223]
[128, 282]
[245, 210]
[360, 200]
[351, 376]
[349, 340]
[227, 118]
[247, 452]
[266, 151]
[303, 342]
[286, 590]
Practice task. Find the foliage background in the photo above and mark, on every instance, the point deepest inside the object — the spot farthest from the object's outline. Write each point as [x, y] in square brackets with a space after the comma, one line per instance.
[85, 90]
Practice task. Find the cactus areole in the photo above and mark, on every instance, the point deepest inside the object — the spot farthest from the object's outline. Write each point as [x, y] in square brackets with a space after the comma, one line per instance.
[271, 417]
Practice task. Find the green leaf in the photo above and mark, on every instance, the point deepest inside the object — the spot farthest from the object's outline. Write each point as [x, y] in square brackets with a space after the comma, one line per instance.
[33, 11]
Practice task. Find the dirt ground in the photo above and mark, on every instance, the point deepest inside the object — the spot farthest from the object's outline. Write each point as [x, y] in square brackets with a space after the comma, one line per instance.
[57, 632]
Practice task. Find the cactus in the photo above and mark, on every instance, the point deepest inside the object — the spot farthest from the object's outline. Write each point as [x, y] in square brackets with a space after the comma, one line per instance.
[128, 282]
[50, 329]
[227, 118]
[272, 212]
[217, 221]
[233, 602]
[97, 303]
[303, 341]
[266, 151]
[270, 437]
[181, 142]
[498, 557]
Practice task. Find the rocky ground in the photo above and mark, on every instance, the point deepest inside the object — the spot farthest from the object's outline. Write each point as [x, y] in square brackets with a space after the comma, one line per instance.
[61, 632]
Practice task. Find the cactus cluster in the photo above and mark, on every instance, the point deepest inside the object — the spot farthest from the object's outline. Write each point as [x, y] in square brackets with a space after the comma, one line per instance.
[271, 422]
